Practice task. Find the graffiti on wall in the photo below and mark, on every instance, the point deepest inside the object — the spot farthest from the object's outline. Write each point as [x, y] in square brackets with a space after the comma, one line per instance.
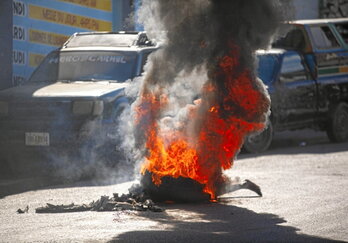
[334, 9]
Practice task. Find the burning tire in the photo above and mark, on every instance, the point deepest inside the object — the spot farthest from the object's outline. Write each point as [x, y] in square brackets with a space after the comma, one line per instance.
[174, 189]
[259, 142]
[186, 190]
[337, 129]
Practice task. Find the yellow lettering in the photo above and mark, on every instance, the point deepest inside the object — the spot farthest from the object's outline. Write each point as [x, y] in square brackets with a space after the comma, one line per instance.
[47, 38]
[35, 59]
[105, 5]
[50, 15]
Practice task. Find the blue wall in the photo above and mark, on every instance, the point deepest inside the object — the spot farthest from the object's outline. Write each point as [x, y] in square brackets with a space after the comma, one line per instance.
[40, 26]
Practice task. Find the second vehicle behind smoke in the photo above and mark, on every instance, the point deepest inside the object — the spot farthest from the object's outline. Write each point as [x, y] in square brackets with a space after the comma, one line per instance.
[307, 78]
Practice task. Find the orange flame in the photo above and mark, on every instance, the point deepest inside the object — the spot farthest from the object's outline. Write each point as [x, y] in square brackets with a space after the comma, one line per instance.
[221, 118]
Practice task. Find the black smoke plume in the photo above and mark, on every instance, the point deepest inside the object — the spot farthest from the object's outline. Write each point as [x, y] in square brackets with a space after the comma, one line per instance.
[195, 35]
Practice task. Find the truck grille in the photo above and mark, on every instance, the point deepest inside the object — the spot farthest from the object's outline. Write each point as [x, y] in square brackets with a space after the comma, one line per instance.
[28, 110]
[41, 116]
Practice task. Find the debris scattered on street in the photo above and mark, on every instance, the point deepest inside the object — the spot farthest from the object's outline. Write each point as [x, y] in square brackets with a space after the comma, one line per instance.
[140, 197]
[26, 210]
[252, 186]
[136, 200]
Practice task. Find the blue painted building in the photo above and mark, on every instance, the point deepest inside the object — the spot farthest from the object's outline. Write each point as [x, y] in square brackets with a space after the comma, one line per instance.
[40, 26]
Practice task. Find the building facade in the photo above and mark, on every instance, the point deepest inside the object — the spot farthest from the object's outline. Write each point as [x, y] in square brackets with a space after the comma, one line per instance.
[29, 29]
[334, 9]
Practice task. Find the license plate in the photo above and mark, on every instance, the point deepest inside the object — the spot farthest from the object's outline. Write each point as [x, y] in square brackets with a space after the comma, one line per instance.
[37, 139]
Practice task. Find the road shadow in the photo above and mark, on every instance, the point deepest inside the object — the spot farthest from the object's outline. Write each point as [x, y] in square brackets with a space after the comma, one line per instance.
[285, 143]
[216, 222]
[299, 142]
[19, 174]
[16, 185]
[43, 175]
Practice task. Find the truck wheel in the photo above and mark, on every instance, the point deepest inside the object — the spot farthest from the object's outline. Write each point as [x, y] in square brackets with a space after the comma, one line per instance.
[337, 129]
[259, 142]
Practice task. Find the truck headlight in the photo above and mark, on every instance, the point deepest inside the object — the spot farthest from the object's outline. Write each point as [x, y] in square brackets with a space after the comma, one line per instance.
[82, 107]
[3, 108]
[98, 107]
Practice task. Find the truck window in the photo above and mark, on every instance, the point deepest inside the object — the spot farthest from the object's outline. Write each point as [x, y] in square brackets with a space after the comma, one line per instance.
[294, 40]
[323, 37]
[292, 69]
[114, 66]
[343, 31]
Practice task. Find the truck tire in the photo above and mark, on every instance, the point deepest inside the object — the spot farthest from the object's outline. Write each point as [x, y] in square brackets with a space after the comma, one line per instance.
[259, 142]
[337, 129]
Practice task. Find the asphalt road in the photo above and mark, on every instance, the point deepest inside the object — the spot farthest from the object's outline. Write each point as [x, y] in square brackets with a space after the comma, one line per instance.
[304, 180]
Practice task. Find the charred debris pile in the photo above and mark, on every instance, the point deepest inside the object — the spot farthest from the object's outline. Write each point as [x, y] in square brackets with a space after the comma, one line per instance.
[142, 197]
[136, 200]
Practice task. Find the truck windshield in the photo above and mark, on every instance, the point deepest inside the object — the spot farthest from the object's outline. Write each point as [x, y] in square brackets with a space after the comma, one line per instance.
[266, 67]
[86, 66]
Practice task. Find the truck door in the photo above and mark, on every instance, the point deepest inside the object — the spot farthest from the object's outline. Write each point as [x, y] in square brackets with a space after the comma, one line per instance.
[296, 92]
